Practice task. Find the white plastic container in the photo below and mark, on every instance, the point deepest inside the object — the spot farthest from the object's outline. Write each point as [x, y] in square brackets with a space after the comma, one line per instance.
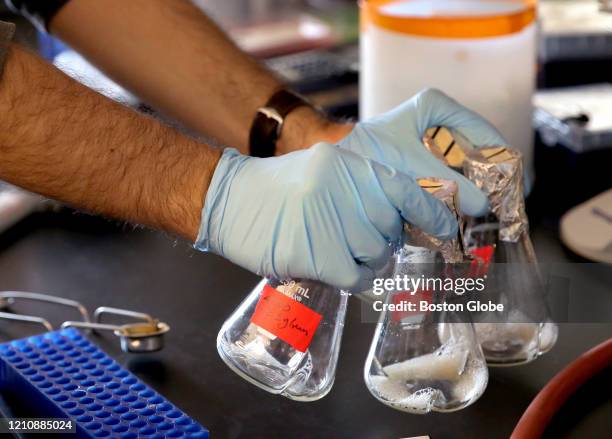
[480, 52]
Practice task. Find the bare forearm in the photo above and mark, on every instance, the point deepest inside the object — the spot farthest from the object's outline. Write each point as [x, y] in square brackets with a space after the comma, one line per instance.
[173, 57]
[65, 141]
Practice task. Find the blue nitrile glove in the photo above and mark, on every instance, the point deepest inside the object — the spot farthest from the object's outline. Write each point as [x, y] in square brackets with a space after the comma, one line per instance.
[395, 138]
[323, 214]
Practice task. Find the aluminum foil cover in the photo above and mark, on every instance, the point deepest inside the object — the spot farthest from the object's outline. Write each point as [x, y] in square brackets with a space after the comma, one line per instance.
[445, 191]
[498, 172]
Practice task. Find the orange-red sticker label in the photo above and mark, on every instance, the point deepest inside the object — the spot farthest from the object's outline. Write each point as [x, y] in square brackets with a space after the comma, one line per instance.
[480, 265]
[410, 302]
[286, 318]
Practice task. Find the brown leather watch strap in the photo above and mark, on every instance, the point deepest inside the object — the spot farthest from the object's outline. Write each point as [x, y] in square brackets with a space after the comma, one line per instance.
[269, 120]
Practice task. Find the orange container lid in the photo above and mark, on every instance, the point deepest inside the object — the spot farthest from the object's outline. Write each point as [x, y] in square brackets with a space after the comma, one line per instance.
[446, 25]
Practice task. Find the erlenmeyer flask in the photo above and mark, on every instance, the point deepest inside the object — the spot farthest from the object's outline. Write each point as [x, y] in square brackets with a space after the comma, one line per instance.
[524, 330]
[421, 361]
[285, 337]
[433, 365]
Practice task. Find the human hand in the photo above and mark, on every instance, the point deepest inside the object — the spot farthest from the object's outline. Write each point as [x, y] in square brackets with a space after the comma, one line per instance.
[323, 213]
[395, 138]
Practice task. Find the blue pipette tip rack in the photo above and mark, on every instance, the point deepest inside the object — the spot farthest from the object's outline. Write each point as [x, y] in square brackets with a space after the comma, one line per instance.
[61, 374]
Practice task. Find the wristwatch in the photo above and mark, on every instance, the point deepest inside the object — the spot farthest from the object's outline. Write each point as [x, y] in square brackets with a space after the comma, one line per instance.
[269, 120]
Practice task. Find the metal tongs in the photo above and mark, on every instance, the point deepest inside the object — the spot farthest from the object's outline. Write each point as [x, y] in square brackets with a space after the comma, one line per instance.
[137, 337]
[144, 336]
[7, 298]
[26, 318]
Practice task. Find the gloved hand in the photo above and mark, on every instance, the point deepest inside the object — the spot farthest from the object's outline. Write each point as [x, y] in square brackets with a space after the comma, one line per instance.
[322, 214]
[395, 138]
